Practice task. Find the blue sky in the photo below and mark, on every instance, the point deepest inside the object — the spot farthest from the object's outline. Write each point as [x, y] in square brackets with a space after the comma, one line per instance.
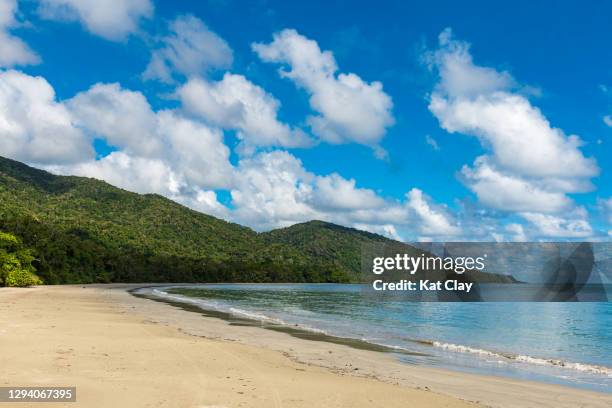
[513, 83]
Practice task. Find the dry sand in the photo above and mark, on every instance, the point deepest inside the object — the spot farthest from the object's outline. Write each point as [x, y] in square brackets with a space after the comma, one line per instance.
[123, 351]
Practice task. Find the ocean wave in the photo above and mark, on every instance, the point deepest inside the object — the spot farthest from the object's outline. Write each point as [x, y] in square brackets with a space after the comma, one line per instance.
[312, 329]
[184, 299]
[595, 369]
[274, 320]
[588, 368]
[388, 346]
[255, 316]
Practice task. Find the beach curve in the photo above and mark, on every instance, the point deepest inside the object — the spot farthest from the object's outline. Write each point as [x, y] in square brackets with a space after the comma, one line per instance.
[129, 351]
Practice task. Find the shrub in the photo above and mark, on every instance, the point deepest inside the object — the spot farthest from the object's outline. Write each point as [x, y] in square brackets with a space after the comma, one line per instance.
[16, 263]
[21, 277]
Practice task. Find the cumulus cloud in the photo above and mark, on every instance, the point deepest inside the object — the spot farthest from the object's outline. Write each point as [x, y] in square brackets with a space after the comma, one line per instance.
[133, 173]
[109, 19]
[196, 150]
[349, 108]
[34, 127]
[435, 221]
[530, 166]
[125, 119]
[146, 175]
[236, 103]
[520, 138]
[167, 153]
[511, 193]
[190, 48]
[160, 152]
[273, 189]
[517, 232]
[608, 120]
[553, 226]
[335, 193]
[459, 76]
[208, 203]
[386, 230]
[13, 51]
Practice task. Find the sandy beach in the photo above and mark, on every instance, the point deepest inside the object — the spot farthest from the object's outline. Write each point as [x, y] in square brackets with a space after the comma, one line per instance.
[123, 351]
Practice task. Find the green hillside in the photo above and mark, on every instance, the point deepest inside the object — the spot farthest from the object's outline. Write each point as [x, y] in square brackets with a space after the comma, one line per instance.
[85, 230]
[324, 240]
[344, 247]
[82, 230]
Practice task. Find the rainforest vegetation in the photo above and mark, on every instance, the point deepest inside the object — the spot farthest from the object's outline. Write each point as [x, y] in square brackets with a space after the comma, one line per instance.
[65, 229]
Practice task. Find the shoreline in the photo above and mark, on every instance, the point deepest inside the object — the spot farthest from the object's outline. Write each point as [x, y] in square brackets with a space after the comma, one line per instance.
[187, 303]
[296, 332]
[135, 334]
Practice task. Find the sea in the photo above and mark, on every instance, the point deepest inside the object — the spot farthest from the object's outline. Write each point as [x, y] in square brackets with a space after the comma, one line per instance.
[568, 343]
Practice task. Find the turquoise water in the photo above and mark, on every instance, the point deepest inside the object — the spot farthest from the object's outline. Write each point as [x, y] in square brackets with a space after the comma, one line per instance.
[564, 343]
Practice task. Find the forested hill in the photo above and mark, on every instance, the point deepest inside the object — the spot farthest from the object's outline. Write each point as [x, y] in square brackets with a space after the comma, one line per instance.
[325, 240]
[84, 230]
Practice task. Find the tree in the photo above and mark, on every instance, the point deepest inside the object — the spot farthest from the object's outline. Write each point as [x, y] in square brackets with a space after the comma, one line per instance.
[16, 267]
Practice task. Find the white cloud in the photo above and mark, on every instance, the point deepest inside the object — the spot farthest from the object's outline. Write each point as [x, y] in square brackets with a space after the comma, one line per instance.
[434, 219]
[521, 139]
[236, 103]
[109, 19]
[137, 174]
[196, 150]
[166, 153]
[432, 142]
[553, 226]
[335, 193]
[608, 120]
[510, 193]
[34, 127]
[190, 48]
[146, 175]
[273, 189]
[8, 8]
[517, 231]
[124, 118]
[13, 51]
[207, 202]
[459, 76]
[530, 166]
[350, 109]
[387, 230]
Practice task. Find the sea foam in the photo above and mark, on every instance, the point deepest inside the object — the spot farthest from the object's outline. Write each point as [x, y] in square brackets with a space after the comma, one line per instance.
[589, 368]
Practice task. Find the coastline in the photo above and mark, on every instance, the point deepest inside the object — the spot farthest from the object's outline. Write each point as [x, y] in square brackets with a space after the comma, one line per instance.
[122, 349]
